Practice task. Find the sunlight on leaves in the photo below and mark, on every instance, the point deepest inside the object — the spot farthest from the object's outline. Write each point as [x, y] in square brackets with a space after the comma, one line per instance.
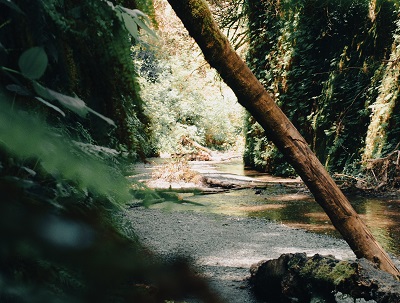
[108, 120]
[74, 104]
[130, 26]
[136, 14]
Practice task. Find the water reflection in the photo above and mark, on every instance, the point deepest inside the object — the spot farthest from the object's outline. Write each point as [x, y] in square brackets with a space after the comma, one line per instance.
[290, 206]
[383, 217]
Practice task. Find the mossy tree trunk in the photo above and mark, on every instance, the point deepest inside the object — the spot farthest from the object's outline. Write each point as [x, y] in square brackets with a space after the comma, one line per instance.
[217, 50]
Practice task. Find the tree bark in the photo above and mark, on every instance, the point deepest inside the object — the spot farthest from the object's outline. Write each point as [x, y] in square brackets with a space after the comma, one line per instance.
[251, 94]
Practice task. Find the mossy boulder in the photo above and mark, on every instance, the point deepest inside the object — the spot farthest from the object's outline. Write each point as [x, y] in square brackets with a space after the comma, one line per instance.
[298, 278]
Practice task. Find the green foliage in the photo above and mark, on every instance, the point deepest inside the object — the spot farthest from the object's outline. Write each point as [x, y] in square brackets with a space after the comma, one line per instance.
[261, 154]
[58, 221]
[33, 63]
[63, 233]
[183, 96]
[133, 19]
[88, 52]
[322, 61]
[11, 5]
[232, 19]
[383, 131]
[56, 247]
[26, 136]
[62, 196]
[325, 270]
[184, 103]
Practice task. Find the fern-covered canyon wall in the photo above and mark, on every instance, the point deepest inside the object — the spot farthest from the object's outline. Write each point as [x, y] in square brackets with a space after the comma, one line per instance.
[332, 67]
[88, 50]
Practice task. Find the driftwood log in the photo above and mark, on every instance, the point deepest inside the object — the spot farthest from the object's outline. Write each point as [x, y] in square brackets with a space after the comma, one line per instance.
[187, 141]
[302, 279]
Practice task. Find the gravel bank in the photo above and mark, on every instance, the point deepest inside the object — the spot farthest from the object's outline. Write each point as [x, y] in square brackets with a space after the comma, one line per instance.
[224, 247]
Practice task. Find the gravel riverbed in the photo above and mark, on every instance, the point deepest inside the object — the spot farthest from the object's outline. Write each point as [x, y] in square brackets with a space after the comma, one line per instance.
[224, 247]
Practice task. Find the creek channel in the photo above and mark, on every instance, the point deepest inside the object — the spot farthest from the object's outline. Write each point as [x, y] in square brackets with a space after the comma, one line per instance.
[287, 201]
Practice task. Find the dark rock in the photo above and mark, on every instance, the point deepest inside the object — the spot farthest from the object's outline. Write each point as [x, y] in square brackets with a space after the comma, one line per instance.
[298, 278]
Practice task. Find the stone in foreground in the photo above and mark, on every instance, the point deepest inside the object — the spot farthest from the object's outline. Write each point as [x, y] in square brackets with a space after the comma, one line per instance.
[301, 279]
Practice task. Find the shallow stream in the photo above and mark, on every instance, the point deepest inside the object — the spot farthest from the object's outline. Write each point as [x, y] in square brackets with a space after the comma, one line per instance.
[289, 203]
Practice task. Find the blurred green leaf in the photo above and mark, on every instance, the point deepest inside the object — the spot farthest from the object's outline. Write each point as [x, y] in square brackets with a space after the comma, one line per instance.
[135, 13]
[25, 135]
[20, 90]
[42, 91]
[108, 120]
[12, 5]
[50, 105]
[130, 26]
[33, 63]
[132, 19]
[110, 4]
[72, 103]
[145, 27]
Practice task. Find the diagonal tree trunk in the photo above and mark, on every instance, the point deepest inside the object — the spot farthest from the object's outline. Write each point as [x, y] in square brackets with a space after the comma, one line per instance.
[217, 50]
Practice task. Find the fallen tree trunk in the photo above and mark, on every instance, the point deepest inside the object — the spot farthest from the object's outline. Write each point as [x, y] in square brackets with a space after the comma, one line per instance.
[298, 278]
[186, 140]
[217, 50]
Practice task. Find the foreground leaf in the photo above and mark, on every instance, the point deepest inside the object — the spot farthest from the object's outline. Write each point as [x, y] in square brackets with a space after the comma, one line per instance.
[130, 26]
[108, 120]
[12, 5]
[72, 103]
[50, 105]
[33, 63]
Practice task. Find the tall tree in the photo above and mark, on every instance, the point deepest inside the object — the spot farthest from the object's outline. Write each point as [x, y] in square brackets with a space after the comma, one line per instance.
[217, 50]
